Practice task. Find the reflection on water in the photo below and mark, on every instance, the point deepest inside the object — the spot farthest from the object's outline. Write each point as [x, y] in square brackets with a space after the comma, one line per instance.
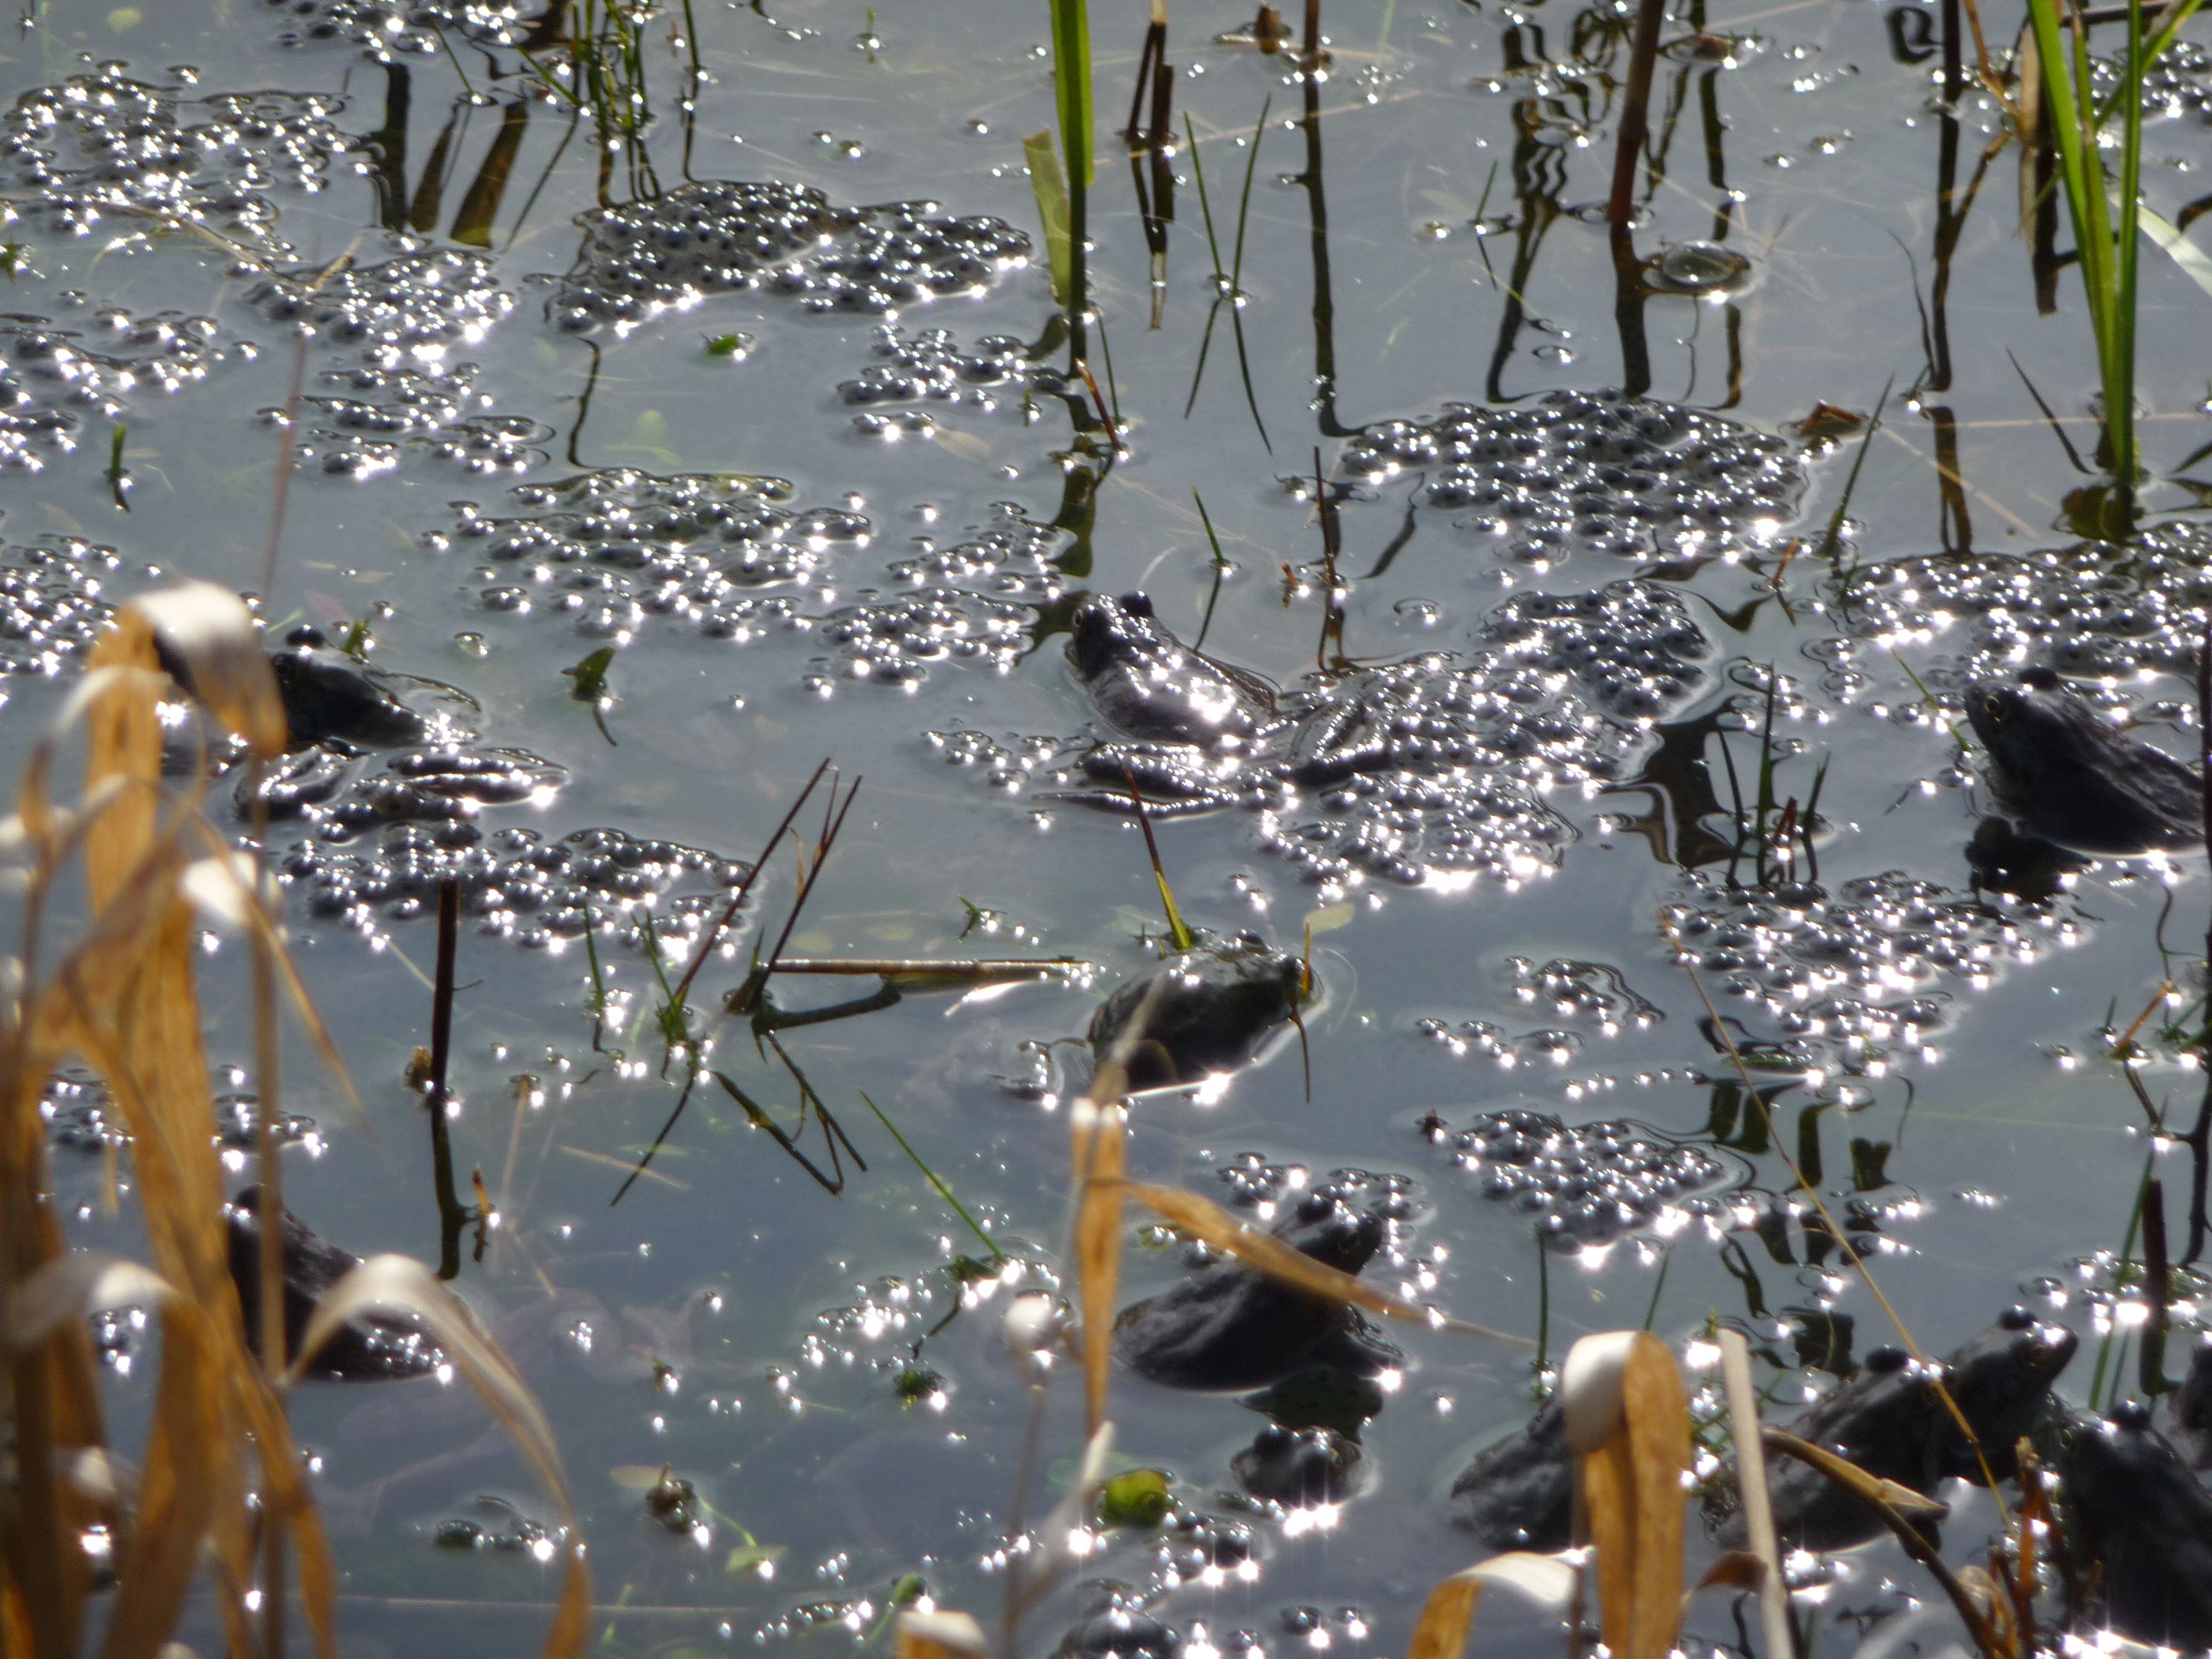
[723, 336]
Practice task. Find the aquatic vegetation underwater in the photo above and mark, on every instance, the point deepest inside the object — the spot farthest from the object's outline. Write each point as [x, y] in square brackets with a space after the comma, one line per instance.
[793, 868]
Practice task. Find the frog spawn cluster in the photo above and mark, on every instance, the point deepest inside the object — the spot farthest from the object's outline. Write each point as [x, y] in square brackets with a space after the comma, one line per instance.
[1633, 646]
[732, 558]
[1453, 761]
[1855, 983]
[335, 793]
[81, 1115]
[391, 30]
[1629, 478]
[927, 365]
[520, 885]
[53, 377]
[51, 604]
[101, 145]
[647, 258]
[1590, 1184]
[401, 318]
[2088, 611]
[1595, 995]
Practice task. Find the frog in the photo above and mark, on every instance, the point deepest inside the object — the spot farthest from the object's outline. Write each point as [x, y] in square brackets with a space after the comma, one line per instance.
[1147, 685]
[372, 1348]
[2189, 1424]
[329, 695]
[2140, 1514]
[1519, 1491]
[2060, 773]
[1196, 733]
[1891, 1421]
[1299, 1468]
[1197, 1013]
[1229, 1329]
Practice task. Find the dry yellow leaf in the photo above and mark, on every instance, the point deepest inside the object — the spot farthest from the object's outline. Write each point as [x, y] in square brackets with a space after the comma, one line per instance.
[1204, 1219]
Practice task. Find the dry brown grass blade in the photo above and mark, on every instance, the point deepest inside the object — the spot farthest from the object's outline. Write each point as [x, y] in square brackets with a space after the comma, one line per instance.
[54, 1399]
[1449, 1614]
[1758, 1510]
[159, 1550]
[400, 1284]
[286, 1494]
[206, 879]
[1099, 1154]
[1897, 1505]
[1204, 1219]
[177, 1491]
[1629, 1424]
[1735, 1570]
[209, 633]
[1871, 1488]
[939, 1635]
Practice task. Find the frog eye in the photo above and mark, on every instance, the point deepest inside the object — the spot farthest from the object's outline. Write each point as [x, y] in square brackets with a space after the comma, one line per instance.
[2016, 1319]
[2131, 1414]
[1137, 604]
[1883, 1362]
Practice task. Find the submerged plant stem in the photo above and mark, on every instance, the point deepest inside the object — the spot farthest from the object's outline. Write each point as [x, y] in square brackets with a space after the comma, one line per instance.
[930, 1175]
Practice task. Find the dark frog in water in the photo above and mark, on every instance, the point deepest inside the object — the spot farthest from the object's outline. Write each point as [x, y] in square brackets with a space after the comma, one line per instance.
[1147, 684]
[1199, 1014]
[2142, 1517]
[1229, 1328]
[2060, 772]
[1892, 1421]
[329, 696]
[1889, 1420]
[372, 1346]
[1518, 1494]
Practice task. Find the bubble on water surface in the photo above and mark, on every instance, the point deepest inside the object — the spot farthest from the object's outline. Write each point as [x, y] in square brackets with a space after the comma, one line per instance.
[1573, 471]
[647, 258]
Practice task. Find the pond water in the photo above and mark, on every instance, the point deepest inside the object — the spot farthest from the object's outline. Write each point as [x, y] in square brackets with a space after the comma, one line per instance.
[754, 374]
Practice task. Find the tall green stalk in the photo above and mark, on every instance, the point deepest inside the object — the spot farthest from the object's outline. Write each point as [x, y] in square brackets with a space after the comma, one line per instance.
[2107, 246]
[1071, 66]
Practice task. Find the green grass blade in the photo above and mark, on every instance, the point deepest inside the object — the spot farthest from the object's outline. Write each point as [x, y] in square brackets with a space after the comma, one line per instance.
[1071, 60]
[942, 1191]
[2120, 398]
[1204, 206]
[1244, 206]
[2194, 263]
[1050, 186]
